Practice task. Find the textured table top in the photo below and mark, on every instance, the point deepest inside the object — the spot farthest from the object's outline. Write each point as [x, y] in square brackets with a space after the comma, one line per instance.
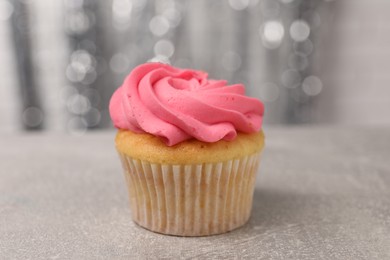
[321, 193]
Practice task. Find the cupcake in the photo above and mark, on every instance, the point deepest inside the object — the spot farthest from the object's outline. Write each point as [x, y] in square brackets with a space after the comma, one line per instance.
[190, 149]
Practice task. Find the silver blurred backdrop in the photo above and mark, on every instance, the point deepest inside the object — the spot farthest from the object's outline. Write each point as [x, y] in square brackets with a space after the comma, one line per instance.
[309, 61]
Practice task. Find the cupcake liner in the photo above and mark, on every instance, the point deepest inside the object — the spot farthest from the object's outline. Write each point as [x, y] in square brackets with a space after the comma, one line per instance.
[193, 199]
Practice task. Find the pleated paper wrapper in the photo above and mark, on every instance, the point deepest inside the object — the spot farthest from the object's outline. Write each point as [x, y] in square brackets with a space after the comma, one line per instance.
[191, 200]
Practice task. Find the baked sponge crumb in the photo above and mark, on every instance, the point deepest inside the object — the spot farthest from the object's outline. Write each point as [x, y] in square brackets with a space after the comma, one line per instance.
[151, 148]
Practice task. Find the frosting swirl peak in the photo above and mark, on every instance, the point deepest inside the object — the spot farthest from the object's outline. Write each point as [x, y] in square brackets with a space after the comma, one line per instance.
[180, 104]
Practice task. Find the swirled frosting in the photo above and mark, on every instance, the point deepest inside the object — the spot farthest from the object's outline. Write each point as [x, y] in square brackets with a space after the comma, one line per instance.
[179, 104]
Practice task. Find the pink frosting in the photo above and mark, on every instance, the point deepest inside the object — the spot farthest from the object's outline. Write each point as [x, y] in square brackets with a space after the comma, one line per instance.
[180, 104]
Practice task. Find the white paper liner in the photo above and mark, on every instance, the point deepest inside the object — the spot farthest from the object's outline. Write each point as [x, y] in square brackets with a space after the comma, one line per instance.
[191, 200]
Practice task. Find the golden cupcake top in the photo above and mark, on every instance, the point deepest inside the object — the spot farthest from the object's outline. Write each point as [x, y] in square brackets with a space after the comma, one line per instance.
[150, 148]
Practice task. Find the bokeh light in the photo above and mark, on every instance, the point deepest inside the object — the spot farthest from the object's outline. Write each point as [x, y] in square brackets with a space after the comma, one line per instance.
[159, 25]
[83, 59]
[312, 86]
[119, 63]
[121, 9]
[239, 5]
[81, 68]
[160, 58]
[121, 13]
[299, 30]
[164, 48]
[73, 75]
[32, 116]
[78, 22]
[173, 15]
[78, 104]
[272, 34]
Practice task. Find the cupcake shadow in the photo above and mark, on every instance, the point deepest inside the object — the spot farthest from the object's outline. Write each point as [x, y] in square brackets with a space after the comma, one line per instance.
[277, 209]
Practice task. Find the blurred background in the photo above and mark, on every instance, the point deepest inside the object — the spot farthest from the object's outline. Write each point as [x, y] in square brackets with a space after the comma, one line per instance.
[309, 61]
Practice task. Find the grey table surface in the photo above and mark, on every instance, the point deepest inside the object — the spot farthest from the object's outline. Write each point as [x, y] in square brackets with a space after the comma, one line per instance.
[321, 193]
